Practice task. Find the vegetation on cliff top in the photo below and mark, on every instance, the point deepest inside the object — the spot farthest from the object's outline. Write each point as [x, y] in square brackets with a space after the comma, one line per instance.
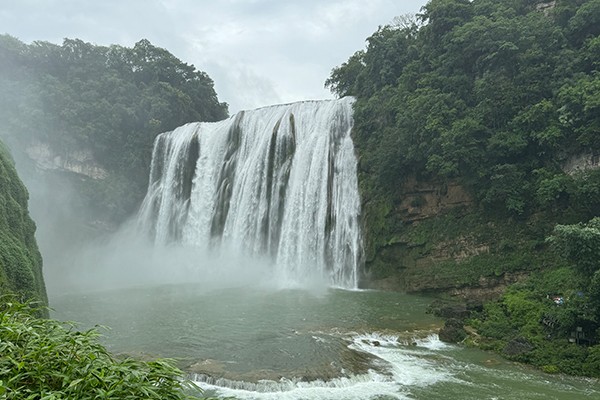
[497, 95]
[20, 259]
[111, 100]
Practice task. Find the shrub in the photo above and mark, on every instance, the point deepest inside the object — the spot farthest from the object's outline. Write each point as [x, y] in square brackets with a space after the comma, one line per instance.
[550, 369]
[49, 360]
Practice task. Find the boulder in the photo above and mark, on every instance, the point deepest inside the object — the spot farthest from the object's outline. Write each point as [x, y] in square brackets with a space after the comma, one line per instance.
[449, 310]
[453, 331]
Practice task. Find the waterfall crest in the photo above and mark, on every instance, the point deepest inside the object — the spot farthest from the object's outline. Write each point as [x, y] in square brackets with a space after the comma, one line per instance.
[278, 181]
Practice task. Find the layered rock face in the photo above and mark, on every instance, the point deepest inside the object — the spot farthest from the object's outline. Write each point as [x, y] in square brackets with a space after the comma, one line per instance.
[441, 242]
[81, 162]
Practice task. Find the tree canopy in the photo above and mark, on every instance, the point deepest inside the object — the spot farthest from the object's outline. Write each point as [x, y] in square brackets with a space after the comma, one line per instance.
[496, 94]
[20, 259]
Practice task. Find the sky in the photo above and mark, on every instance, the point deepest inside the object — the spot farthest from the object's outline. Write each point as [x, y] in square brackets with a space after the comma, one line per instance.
[258, 52]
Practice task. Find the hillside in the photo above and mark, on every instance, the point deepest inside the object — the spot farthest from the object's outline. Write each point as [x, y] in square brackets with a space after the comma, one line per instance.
[484, 112]
[20, 260]
[477, 125]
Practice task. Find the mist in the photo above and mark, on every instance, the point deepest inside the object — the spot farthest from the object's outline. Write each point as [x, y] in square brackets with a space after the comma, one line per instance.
[64, 223]
[81, 254]
[128, 258]
[84, 252]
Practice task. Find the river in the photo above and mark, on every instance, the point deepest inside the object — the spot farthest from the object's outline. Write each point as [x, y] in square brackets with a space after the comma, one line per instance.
[261, 343]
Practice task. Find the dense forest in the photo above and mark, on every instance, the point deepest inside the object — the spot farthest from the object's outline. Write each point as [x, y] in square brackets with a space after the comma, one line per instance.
[503, 99]
[497, 94]
[111, 101]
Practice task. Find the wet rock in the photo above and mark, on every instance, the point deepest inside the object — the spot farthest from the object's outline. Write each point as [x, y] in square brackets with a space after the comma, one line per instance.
[448, 310]
[452, 331]
[208, 367]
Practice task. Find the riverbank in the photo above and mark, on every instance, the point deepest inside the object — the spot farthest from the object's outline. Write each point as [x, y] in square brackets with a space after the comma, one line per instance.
[526, 325]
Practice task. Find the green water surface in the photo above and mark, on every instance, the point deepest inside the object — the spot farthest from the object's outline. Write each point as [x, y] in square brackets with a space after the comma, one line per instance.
[295, 344]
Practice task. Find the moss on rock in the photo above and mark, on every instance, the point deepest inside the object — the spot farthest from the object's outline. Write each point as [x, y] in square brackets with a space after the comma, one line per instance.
[20, 259]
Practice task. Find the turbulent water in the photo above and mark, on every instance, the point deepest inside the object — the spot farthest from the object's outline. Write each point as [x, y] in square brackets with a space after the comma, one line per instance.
[278, 182]
[256, 344]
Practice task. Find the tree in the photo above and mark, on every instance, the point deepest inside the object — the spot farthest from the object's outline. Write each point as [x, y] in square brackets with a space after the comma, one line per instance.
[580, 244]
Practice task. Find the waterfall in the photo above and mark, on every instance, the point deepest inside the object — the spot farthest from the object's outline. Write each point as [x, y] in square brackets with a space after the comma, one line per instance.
[278, 181]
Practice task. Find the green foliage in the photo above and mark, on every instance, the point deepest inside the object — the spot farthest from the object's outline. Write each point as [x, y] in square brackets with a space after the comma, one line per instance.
[46, 359]
[20, 260]
[111, 100]
[580, 244]
[500, 97]
[586, 21]
[519, 314]
[550, 369]
[529, 309]
[496, 95]
[459, 248]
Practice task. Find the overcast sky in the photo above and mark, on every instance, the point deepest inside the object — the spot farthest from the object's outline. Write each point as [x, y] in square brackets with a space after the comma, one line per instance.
[258, 52]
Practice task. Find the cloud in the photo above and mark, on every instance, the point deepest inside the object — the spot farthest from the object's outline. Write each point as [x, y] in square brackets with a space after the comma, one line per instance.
[258, 52]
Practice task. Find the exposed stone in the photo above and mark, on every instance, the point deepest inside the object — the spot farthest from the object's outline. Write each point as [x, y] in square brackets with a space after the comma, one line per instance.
[425, 262]
[460, 249]
[452, 331]
[422, 200]
[447, 310]
[209, 367]
[81, 162]
[488, 288]
[391, 283]
[581, 162]
[546, 7]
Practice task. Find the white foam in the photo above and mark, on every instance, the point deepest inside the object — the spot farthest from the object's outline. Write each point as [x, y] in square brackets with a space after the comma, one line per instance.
[407, 365]
[397, 368]
[432, 342]
[360, 387]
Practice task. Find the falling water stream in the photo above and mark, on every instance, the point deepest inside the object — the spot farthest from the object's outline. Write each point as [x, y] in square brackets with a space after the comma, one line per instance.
[279, 182]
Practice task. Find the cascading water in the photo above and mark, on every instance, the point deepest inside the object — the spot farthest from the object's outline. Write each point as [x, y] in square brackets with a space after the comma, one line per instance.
[278, 181]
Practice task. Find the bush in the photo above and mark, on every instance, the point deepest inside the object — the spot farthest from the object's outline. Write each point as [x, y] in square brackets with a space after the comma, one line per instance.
[46, 359]
[550, 369]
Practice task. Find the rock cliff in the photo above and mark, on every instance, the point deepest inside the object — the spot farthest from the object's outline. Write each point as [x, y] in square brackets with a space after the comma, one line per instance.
[81, 162]
[442, 242]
